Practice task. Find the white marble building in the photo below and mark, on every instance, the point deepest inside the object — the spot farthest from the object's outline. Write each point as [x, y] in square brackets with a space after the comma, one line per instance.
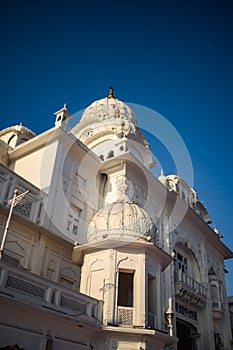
[101, 254]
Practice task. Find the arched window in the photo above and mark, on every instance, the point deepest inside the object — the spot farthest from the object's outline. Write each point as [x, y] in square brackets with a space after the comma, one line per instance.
[186, 262]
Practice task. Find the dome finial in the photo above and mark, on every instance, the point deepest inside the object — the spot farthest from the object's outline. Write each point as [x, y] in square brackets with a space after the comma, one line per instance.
[124, 188]
[111, 92]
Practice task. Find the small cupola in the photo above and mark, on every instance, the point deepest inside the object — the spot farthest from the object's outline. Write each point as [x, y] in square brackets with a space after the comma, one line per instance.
[61, 116]
[14, 136]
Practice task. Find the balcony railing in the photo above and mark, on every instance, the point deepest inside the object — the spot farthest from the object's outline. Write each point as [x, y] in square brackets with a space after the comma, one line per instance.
[189, 290]
[23, 286]
[31, 206]
[125, 315]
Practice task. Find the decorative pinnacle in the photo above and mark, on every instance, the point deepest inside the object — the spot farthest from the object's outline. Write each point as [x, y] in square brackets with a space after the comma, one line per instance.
[111, 92]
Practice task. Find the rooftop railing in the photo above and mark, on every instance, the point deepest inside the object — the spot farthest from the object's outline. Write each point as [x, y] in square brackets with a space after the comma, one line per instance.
[23, 286]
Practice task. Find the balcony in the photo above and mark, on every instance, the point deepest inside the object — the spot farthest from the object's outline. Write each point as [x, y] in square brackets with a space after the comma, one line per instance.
[22, 286]
[31, 206]
[125, 317]
[188, 290]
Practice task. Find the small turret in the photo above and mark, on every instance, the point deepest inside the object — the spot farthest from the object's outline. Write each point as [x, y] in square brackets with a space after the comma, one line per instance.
[61, 117]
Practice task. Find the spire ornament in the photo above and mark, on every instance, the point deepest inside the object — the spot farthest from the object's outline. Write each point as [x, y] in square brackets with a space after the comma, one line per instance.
[111, 92]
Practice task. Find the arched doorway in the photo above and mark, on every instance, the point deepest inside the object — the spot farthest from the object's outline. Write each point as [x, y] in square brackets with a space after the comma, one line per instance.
[186, 335]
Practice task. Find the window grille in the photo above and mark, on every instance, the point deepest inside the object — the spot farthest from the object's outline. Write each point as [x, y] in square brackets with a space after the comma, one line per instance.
[73, 304]
[125, 315]
[24, 208]
[25, 287]
[10, 260]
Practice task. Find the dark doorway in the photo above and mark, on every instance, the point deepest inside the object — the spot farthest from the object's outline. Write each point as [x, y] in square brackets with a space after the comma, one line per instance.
[125, 289]
[186, 342]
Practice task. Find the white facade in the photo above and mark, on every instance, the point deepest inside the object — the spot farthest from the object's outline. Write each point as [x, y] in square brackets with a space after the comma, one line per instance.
[105, 255]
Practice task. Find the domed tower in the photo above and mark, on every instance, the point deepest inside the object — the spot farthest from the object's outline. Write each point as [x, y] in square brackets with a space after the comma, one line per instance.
[121, 262]
[109, 128]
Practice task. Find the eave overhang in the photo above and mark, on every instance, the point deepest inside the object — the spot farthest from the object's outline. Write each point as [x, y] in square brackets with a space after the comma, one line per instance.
[79, 251]
[46, 138]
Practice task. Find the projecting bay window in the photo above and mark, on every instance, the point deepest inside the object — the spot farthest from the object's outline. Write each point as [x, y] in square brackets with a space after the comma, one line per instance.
[125, 298]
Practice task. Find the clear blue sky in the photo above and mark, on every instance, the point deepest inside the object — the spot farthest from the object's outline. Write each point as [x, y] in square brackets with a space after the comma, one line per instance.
[175, 57]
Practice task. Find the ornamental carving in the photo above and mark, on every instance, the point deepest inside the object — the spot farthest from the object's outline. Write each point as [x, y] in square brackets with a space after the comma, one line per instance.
[87, 134]
[24, 208]
[186, 312]
[124, 187]
[121, 215]
[112, 110]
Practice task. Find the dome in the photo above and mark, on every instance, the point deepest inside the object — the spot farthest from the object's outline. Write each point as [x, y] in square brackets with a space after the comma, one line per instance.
[109, 128]
[106, 116]
[121, 220]
[15, 135]
[109, 108]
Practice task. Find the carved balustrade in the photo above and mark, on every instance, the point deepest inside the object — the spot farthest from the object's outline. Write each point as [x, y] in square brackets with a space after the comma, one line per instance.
[21, 286]
[188, 290]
